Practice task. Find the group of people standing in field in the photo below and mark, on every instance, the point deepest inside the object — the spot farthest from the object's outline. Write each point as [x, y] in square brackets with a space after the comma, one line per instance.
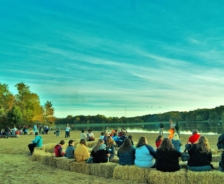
[173, 128]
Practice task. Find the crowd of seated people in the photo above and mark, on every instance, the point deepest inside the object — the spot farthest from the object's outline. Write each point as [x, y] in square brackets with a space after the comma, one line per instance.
[164, 158]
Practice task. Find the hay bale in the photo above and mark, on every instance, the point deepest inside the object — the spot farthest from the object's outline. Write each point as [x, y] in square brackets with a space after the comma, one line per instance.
[205, 177]
[49, 160]
[132, 173]
[80, 167]
[115, 159]
[63, 163]
[103, 169]
[49, 147]
[178, 177]
[90, 144]
[216, 158]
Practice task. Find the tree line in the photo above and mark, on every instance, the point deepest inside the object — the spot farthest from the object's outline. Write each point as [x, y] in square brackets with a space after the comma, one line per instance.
[206, 119]
[23, 108]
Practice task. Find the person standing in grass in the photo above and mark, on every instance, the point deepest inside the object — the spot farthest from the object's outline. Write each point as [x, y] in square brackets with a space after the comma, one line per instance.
[161, 126]
[67, 131]
[37, 142]
[177, 128]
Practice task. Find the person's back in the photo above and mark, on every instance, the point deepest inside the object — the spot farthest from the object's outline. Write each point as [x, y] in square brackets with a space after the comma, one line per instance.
[220, 143]
[127, 157]
[100, 156]
[58, 151]
[200, 156]
[70, 149]
[81, 151]
[38, 141]
[167, 157]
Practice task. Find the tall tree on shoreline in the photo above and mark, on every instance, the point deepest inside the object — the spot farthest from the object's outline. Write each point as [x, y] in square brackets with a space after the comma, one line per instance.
[49, 113]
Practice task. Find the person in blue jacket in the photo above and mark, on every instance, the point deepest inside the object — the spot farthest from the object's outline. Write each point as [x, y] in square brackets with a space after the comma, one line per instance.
[37, 142]
[145, 155]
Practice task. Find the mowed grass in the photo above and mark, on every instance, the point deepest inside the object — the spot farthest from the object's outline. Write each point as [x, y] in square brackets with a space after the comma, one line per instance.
[16, 165]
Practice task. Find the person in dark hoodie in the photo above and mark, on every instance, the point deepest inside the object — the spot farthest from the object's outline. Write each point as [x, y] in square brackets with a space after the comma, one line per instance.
[221, 163]
[220, 143]
[99, 153]
[167, 157]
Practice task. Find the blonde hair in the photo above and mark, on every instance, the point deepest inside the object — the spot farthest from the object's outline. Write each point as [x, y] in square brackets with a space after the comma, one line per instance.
[109, 141]
[203, 144]
[176, 136]
[96, 147]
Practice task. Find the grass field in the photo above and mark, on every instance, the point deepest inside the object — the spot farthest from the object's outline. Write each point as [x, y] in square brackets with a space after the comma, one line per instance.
[16, 165]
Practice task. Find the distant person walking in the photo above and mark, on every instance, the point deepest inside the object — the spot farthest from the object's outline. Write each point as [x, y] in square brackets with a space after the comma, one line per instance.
[67, 131]
[161, 126]
[177, 128]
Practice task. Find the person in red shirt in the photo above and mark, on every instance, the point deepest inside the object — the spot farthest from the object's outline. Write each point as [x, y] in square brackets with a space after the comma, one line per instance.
[58, 151]
[159, 140]
[192, 139]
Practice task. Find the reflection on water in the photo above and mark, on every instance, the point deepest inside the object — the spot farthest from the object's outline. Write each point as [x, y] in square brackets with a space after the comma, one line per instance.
[151, 127]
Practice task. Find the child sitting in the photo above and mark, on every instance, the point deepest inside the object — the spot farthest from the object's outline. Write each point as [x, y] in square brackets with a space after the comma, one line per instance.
[58, 151]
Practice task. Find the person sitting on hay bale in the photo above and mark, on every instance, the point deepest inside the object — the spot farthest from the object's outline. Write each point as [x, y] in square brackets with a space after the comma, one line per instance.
[110, 147]
[102, 135]
[90, 136]
[167, 157]
[220, 143]
[37, 142]
[221, 163]
[99, 153]
[58, 151]
[145, 155]
[70, 149]
[81, 151]
[126, 153]
[159, 140]
[192, 139]
[176, 142]
[200, 156]
[83, 135]
[121, 139]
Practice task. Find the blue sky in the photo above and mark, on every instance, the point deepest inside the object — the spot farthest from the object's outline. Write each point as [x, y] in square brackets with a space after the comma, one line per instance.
[116, 58]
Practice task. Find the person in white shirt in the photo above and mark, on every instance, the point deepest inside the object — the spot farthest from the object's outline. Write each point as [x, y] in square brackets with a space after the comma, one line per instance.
[67, 131]
[83, 135]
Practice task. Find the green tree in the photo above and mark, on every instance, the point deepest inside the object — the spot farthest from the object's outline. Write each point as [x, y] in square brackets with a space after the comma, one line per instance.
[15, 115]
[29, 104]
[6, 100]
[49, 113]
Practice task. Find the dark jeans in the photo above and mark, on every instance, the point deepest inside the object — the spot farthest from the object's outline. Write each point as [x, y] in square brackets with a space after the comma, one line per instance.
[31, 148]
[67, 134]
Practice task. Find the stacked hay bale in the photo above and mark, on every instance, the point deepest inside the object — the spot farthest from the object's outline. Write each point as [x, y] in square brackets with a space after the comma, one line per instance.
[131, 173]
[178, 177]
[205, 177]
[105, 170]
[40, 154]
[63, 163]
[80, 167]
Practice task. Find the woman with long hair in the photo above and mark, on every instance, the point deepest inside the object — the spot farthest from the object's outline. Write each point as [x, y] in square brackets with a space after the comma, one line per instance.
[81, 151]
[99, 153]
[200, 156]
[110, 147]
[144, 154]
[126, 153]
[167, 157]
